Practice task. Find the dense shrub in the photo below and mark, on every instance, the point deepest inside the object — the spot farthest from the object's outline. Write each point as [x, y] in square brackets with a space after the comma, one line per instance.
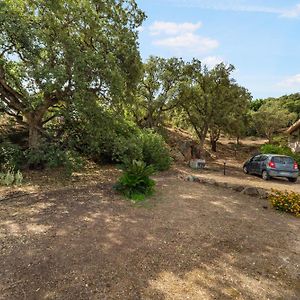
[127, 149]
[135, 182]
[53, 156]
[275, 149]
[286, 201]
[155, 151]
[11, 156]
[114, 139]
[281, 150]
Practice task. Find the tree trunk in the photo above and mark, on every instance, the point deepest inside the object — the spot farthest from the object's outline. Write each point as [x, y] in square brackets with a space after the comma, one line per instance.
[213, 145]
[34, 122]
[34, 136]
[214, 137]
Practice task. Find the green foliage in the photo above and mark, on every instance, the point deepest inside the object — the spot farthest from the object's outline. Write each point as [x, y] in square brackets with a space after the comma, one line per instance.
[135, 182]
[275, 149]
[18, 178]
[52, 156]
[211, 101]
[11, 177]
[104, 136]
[281, 150]
[127, 149]
[157, 91]
[155, 151]
[11, 156]
[270, 118]
[256, 104]
[286, 201]
[146, 145]
[55, 52]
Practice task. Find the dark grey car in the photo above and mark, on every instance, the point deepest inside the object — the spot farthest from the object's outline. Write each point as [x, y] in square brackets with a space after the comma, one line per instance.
[272, 165]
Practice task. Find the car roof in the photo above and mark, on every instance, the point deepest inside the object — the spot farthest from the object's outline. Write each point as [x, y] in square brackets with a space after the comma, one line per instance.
[280, 155]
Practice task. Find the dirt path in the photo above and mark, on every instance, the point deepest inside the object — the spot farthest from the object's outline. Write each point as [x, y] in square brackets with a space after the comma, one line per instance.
[235, 175]
[188, 242]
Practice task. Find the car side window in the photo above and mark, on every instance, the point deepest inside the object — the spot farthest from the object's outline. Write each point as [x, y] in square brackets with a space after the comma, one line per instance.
[263, 158]
[256, 158]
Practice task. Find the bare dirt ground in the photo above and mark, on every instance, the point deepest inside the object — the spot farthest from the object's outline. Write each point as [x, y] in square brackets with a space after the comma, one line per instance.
[234, 160]
[235, 175]
[187, 242]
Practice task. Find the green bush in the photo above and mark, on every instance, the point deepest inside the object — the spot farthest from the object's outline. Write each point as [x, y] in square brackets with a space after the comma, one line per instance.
[281, 150]
[275, 149]
[11, 156]
[52, 156]
[286, 201]
[147, 146]
[135, 182]
[155, 151]
[11, 177]
[111, 138]
[127, 149]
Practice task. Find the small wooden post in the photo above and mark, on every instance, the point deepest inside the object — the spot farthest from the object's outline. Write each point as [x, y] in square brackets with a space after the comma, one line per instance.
[224, 167]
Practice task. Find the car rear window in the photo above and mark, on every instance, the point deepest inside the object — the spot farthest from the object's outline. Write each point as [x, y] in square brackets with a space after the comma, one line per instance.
[282, 160]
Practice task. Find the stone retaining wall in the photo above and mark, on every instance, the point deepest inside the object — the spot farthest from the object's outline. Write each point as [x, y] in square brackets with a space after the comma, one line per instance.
[243, 189]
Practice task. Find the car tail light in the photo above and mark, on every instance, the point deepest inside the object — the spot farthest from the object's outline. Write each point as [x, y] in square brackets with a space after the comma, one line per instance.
[272, 165]
[295, 166]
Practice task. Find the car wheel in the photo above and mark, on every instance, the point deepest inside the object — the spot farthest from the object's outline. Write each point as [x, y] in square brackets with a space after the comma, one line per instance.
[245, 169]
[292, 179]
[265, 175]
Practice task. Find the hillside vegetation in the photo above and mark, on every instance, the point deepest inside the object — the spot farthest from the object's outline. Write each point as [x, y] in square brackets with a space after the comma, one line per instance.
[83, 93]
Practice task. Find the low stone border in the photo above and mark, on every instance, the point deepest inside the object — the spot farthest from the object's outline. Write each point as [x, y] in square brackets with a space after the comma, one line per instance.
[243, 189]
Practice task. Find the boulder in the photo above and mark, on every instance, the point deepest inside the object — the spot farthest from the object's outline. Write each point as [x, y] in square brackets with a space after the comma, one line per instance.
[191, 178]
[263, 193]
[177, 155]
[236, 187]
[250, 191]
[186, 150]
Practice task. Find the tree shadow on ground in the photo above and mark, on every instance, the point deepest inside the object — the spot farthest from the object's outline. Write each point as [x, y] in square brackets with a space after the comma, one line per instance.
[196, 242]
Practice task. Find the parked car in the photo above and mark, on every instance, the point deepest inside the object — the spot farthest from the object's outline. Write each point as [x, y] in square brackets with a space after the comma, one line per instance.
[272, 165]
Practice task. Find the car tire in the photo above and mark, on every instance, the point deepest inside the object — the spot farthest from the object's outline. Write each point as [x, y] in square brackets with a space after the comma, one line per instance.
[291, 179]
[245, 169]
[265, 175]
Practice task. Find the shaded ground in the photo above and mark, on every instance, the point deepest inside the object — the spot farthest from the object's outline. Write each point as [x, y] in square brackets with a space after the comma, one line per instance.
[188, 242]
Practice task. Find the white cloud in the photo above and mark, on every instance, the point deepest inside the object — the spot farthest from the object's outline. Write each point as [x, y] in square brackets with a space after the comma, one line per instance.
[292, 81]
[190, 42]
[181, 38]
[241, 6]
[211, 61]
[292, 13]
[172, 28]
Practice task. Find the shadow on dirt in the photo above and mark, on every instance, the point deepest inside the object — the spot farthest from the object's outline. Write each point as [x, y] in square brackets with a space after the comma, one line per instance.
[204, 242]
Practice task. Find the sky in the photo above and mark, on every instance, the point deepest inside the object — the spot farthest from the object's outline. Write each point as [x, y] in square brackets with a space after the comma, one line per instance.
[261, 38]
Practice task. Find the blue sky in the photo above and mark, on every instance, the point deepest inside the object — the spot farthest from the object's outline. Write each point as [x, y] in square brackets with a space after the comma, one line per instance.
[261, 38]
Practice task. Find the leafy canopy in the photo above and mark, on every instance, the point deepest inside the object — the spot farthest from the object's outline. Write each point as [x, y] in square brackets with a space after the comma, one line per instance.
[59, 51]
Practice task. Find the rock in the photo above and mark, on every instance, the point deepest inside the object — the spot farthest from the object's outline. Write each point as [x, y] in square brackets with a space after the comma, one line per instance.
[190, 178]
[200, 180]
[177, 155]
[197, 163]
[236, 187]
[211, 181]
[222, 184]
[186, 150]
[250, 191]
[263, 193]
